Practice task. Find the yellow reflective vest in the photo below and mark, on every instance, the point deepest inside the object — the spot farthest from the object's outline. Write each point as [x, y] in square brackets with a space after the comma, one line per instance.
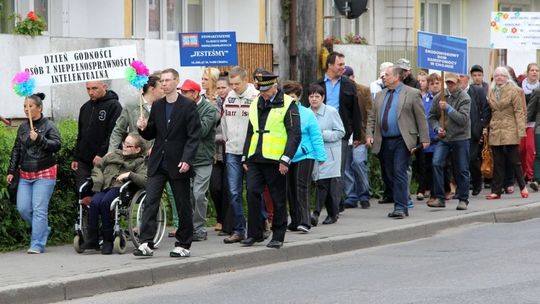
[274, 134]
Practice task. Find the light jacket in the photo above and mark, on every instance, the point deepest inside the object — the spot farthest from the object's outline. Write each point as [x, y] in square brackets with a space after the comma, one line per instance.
[127, 123]
[104, 175]
[332, 132]
[312, 144]
[507, 124]
[236, 118]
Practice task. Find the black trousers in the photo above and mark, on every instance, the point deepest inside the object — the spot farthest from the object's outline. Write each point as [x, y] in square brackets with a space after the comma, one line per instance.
[328, 195]
[220, 197]
[182, 196]
[502, 155]
[259, 175]
[475, 162]
[424, 171]
[386, 180]
[83, 172]
[298, 181]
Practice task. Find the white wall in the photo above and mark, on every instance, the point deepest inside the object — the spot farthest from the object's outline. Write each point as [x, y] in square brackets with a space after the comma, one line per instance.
[240, 16]
[363, 60]
[94, 19]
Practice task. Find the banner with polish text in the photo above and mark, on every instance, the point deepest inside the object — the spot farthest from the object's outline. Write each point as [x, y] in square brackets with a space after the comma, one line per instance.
[442, 52]
[79, 66]
[515, 30]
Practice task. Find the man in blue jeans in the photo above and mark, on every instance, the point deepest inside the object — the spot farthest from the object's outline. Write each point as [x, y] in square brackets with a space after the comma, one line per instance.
[235, 123]
[356, 180]
[454, 137]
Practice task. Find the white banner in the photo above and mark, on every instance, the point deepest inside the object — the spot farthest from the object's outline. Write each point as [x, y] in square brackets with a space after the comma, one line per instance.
[79, 66]
[515, 30]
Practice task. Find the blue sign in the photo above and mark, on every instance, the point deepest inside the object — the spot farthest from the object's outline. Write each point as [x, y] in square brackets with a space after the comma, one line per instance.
[442, 53]
[208, 49]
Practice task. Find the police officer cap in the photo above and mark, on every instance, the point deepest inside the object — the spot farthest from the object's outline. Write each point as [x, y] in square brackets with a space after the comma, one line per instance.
[265, 80]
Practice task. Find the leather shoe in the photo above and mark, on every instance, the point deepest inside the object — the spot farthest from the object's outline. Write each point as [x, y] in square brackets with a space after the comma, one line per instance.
[234, 238]
[250, 241]
[438, 203]
[386, 200]
[350, 205]
[364, 204]
[274, 244]
[329, 220]
[397, 214]
[476, 191]
[314, 219]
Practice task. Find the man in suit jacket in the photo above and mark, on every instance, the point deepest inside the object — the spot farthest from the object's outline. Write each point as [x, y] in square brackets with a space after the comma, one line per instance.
[393, 128]
[175, 126]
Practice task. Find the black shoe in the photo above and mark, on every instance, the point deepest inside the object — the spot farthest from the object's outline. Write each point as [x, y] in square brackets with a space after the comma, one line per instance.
[350, 205]
[476, 191]
[292, 227]
[386, 200]
[365, 204]
[329, 220]
[107, 247]
[250, 241]
[314, 220]
[397, 214]
[487, 186]
[274, 244]
[341, 207]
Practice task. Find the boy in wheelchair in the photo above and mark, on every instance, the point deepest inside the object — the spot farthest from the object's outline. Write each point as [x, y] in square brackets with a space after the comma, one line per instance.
[107, 177]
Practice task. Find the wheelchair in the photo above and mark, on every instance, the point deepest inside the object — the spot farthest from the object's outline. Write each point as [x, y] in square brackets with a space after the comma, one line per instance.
[127, 210]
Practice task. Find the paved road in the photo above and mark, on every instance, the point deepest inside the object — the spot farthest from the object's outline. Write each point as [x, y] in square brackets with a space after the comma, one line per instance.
[484, 263]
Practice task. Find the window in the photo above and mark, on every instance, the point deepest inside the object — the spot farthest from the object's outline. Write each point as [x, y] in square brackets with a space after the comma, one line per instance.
[174, 18]
[435, 16]
[7, 7]
[154, 19]
[336, 24]
[41, 9]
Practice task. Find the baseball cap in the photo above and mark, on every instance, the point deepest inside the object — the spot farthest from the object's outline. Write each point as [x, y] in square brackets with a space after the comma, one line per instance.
[451, 77]
[348, 71]
[477, 68]
[190, 85]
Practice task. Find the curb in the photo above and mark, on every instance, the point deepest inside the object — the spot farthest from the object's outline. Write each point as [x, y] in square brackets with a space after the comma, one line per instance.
[86, 285]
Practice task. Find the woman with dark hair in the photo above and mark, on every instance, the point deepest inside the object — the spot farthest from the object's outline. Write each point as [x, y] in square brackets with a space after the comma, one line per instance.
[526, 146]
[328, 174]
[506, 127]
[33, 158]
[107, 177]
[310, 150]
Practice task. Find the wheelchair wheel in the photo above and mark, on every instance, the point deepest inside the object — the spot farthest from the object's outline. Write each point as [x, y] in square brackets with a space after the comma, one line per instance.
[119, 244]
[77, 243]
[136, 209]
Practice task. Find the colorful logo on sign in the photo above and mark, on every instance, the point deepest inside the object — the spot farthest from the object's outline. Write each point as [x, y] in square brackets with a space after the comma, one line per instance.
[190, 40]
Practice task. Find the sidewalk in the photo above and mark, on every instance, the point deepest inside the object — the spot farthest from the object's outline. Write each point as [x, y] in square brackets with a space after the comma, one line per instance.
[62, 274]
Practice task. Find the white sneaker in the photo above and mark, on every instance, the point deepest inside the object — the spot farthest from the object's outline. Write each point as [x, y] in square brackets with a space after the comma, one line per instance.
[179, 252]
[33, 251]
[143, 250]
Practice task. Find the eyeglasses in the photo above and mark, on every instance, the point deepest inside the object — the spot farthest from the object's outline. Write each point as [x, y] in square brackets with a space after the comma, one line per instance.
[128, 145]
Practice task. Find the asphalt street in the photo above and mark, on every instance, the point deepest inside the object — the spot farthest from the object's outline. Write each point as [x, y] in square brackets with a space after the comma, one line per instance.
[480, 263]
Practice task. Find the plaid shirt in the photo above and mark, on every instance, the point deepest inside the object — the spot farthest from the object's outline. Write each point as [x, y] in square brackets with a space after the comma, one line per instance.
[49, 173]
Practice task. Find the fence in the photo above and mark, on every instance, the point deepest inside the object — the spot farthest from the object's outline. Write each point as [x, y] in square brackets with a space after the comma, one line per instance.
[252, 56]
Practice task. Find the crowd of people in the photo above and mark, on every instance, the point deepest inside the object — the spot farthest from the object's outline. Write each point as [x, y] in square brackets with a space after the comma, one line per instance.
[194, 140]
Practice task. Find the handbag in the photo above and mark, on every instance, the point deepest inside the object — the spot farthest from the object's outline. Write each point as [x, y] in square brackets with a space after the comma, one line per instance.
[487, 159]
[12, 188]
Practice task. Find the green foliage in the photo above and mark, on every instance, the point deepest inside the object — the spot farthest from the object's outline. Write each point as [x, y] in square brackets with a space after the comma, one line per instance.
[14, 232]
[32, 25]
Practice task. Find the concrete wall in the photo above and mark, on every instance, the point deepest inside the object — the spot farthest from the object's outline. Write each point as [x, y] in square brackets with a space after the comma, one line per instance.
[363, 60]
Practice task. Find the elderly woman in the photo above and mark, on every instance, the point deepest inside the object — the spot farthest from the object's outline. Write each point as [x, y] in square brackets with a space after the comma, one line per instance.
[33, 158]
[506, 128]
[107, 177]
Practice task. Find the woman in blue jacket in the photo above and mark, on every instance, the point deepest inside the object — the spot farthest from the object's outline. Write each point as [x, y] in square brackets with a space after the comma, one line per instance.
[311, 149]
